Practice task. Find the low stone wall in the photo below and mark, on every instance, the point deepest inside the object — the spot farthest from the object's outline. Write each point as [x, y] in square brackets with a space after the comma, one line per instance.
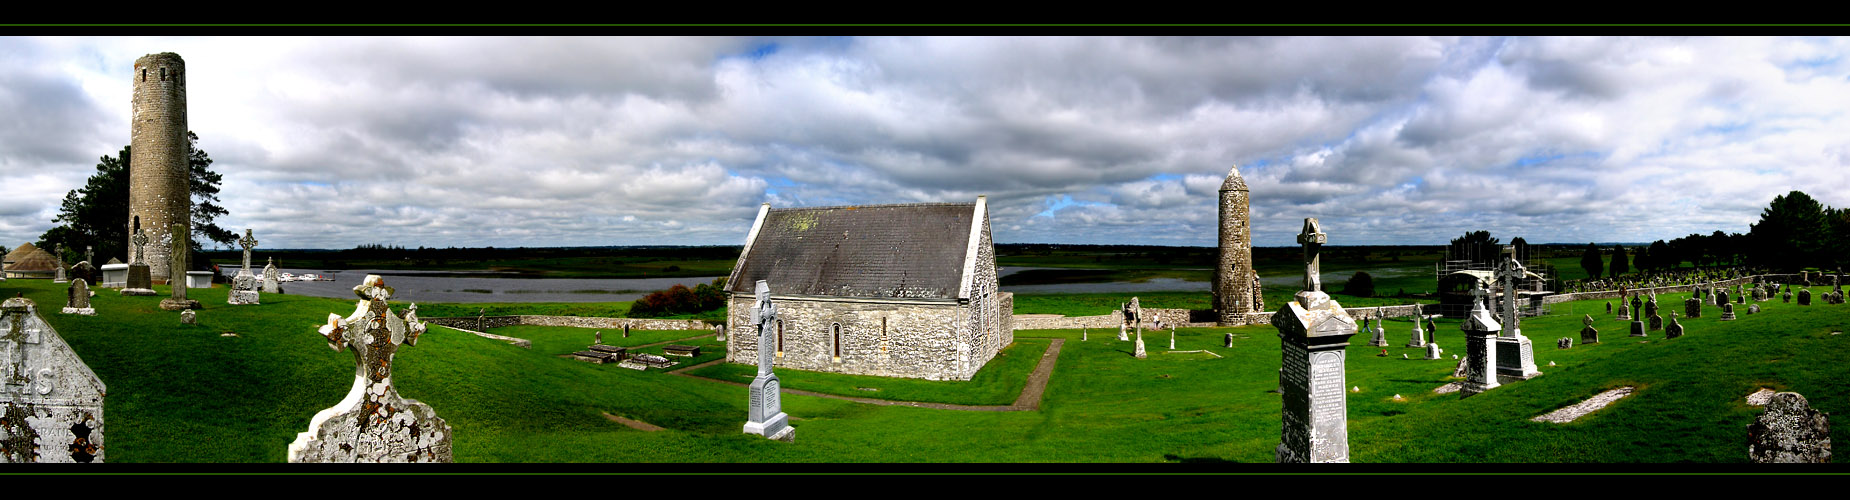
[1027, 322]
[1179, 317]
[1614, 294]
[487, 322]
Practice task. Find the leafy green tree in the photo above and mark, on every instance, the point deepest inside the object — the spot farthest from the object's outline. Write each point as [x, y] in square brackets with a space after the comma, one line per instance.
[1476, 246]
[97, 214]
[1360, 285]
[1790, 234]
[1591, 261]
[1662, 257]
[1837, 229]
[1522, 249]
[1619, 265]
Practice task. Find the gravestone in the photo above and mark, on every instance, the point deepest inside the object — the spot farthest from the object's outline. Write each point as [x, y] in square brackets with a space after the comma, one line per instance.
[1515, 353]
[52, 402]
[272, 279]
[177, 301]
[1172, 337]
[1138, 351]
[1804, 296]
[1313, 330]
[1721, 298]
[1379, 337]
[1433, 350]
[1760, 294]
[719, 333]
[244, 284]
[1588, 334]
[77, 299]
[1657, 322]
[1638, 329]
[139, 280]
[766, 414]
[1608, 307]
[1753, 308]
[1674, 329]
[84, 271]
[1564, 343]
[1481, 330]
[1790, 431]
[1419, 334]
[1624, 311]
[373, 423]
[1638, 307]
[1227, 341]
[57, 260]
[1650, 306]
[1727, 312]
[1692, 307]
[1122, 335]
[187, 317]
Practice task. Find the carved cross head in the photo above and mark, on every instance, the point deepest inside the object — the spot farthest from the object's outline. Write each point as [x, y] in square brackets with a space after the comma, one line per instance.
[247, 241]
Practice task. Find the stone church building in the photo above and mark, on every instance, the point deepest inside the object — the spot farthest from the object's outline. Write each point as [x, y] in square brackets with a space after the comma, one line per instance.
[903, 290]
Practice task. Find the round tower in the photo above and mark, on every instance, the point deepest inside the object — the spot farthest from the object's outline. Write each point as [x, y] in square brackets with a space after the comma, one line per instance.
[1233, 277]
[158, 193]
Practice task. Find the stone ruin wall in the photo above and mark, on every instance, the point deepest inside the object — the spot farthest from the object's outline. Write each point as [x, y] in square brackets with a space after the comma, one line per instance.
[469, 323]
[159, 151]
[1614, 294]
[913, 340]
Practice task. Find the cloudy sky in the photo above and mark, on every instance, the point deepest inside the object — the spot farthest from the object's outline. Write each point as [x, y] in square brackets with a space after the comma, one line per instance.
[331, 142]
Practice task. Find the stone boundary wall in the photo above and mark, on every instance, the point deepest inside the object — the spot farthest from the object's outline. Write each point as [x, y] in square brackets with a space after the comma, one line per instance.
[574, 321]
[1613, 294]
[1179, 317]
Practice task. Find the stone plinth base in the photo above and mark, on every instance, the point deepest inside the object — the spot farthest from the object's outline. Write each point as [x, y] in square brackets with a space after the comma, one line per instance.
[142, 292]
[777, 428]
[241, 297]
[173, 304]
[1516, 358]
[86, 311]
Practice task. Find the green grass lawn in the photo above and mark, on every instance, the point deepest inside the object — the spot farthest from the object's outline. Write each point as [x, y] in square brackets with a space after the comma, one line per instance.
[187, 394]
[998, 383]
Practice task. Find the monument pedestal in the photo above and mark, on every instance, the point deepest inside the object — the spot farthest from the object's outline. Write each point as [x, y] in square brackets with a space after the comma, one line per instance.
[1516, 357]
[1312, 331]
[767, 416]
[173, 304]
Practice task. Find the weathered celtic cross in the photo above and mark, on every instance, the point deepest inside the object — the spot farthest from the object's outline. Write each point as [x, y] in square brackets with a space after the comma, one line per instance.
[373, 423]
[1508, 272]
[140, 239]
[1313, 239]
[248, 243]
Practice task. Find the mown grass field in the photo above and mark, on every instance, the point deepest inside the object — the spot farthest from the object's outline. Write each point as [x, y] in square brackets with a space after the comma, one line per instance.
[188, 394]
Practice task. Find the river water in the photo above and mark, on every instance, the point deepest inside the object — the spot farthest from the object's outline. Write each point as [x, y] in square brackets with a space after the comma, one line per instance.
[445, 286]
[449, 287]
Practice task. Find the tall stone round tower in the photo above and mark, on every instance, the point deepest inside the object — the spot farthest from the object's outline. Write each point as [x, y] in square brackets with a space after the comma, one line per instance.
[1235, 290]
[158, 193]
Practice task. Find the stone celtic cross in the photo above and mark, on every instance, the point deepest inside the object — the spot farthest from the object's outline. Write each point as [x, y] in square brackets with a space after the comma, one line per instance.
[1508, 272]
[764, 314]
[373, 423]
[1313, 239]
[248, 243]
[140, 239]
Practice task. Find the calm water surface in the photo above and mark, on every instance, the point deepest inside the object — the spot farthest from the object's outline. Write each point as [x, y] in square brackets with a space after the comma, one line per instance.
[444, 286]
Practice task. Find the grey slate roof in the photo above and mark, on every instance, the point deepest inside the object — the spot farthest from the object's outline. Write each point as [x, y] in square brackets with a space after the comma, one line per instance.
[869, 251]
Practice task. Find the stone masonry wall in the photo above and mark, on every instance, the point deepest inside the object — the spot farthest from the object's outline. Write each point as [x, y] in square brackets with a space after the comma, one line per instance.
[1233, 295]
[876, 338]
[469, 323]
[158, 151]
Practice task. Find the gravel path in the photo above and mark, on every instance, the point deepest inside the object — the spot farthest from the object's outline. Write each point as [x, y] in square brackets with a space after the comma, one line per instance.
[1029, 400]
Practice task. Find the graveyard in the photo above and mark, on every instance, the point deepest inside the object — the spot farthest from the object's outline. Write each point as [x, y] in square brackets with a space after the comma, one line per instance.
[196, 393]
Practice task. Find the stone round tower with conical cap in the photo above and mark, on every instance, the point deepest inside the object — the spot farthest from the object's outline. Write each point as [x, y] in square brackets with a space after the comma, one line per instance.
[1234, 287]
[158, 193]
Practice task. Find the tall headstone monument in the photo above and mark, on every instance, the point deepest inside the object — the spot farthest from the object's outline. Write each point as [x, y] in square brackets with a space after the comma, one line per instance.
[244, 284]
[373, 423]
[1515, 353]
[1419, 335]
[766, 417]
[1313, 330]
[59, 275]
[159, 192]
[52, 402]
[1480, 346]
[1692, 307]
[1674, 329]
[1235, 282]
[139, 280]
[178, 237]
